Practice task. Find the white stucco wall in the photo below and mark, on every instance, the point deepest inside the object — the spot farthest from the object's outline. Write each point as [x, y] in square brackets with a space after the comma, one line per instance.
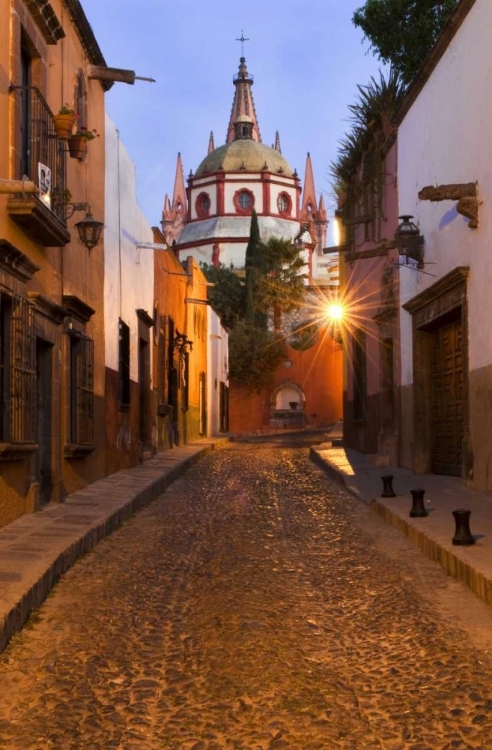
[211, 191]
[231, 188]
[129, 273]
[445, 138]
[275, 191]
[218, 365]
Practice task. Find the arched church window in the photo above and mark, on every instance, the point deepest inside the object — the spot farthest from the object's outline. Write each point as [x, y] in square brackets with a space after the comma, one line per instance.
[284, 204]
[202, 205]
[244, 201]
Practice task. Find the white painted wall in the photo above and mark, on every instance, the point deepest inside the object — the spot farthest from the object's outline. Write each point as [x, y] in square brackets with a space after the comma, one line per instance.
[231, 188]
[211, 191]
[218, 366]
[128, 273]
[275, 192]
[445, 138]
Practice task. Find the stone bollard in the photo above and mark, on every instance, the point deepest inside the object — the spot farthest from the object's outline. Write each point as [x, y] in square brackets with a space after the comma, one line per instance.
[462, 536]
[418, 508]
[388, 486]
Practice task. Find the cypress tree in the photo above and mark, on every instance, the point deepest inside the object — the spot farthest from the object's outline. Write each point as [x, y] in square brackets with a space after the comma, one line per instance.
[251, 267]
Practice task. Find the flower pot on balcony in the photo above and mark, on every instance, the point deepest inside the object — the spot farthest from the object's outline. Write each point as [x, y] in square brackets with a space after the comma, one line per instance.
[77, 145]
[63, 125]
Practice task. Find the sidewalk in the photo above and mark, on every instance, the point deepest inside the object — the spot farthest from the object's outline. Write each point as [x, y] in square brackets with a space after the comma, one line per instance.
[36, 549]
[433, 534]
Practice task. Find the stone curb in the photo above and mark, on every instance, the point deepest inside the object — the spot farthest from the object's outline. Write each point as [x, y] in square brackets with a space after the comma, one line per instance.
[16, 616]
[335, 473]
[448, 558]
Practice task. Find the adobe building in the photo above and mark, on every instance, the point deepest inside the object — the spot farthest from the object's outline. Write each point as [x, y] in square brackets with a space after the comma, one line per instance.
[51, 285]
[209, 220]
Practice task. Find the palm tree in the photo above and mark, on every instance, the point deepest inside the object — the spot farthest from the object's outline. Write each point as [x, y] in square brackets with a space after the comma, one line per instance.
[278, 281]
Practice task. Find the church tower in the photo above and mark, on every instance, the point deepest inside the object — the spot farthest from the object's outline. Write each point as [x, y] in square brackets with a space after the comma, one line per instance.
[211, 223]
[210, 220]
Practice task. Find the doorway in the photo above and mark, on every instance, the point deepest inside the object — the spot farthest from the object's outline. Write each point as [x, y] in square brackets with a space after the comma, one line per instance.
[441, 440]
[447, 379]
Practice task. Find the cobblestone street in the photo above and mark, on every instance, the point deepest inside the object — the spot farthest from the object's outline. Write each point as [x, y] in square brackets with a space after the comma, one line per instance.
[255, 606]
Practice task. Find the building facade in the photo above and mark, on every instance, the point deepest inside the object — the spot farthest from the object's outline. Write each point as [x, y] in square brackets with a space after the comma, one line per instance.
[444, 155]
[51, 286]
[128, 314]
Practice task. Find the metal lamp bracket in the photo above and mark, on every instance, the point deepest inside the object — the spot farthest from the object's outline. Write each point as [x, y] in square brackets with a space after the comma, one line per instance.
[466, 195]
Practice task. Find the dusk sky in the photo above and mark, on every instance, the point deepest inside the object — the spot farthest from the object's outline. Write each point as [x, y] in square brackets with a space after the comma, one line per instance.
[306, 58]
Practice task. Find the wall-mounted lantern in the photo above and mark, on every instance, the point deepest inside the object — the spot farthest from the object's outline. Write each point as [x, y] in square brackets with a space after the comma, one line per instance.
[88, 229]
[409, 242]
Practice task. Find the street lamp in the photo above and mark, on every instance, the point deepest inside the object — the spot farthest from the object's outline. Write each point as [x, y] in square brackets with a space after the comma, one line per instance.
[408, 241]
[89, 229]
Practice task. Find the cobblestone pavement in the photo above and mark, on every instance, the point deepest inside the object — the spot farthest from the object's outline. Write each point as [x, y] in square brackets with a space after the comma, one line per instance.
[249, 608]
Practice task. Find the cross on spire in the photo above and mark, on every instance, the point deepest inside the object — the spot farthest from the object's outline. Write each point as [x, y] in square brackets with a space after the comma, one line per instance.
[242, 39]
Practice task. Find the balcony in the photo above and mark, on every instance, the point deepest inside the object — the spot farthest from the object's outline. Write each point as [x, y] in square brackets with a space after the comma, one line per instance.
[43, 220]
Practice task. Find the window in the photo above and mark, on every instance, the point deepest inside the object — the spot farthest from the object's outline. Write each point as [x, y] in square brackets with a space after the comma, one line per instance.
[81, 389]
[360, 378]
[202, 206]
[17, 370]
[244, 201]
[124, 363]
[80, 100]
[284, 203]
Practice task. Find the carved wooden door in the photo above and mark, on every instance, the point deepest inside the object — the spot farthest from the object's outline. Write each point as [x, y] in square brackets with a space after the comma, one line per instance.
[447, 378]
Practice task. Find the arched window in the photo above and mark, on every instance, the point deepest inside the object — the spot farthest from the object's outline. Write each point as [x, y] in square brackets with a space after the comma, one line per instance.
[244, 201]
[284, 204]
[202, 205]
[80, 100]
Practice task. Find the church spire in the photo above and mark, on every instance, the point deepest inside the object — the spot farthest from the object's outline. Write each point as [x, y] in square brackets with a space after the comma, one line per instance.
[313, 213]
[309, 194]
[277, 142]
[175, 213]
[211, 144]
[243, 105]
[179, 194]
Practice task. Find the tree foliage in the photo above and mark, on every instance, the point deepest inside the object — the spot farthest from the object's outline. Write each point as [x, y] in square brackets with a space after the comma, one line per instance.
[252, 265]
[279, 282]
[227, 297]
[273, 282]
[401, 32]
[373, 111]
[254, 355]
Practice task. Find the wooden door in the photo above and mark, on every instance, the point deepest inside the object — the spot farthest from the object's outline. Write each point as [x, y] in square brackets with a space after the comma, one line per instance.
[447, 393]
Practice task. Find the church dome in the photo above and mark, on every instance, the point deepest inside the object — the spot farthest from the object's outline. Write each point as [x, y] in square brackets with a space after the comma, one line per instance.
[244, 156]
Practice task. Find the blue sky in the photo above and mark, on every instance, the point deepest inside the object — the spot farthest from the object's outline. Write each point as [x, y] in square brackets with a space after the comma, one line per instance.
[306, 57]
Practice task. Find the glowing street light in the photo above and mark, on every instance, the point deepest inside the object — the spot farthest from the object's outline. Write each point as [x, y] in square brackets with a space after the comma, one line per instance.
[334, 312]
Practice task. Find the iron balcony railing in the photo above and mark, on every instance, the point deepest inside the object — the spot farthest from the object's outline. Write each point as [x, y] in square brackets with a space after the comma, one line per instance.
[40, 145]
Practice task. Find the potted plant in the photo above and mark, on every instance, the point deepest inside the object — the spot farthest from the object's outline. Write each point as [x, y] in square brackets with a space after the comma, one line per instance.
[77, 143]
[64, 121]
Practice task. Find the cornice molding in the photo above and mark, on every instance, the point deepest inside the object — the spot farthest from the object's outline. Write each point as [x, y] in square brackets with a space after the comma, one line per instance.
[78, 309]
[16, 263]
[45, 18]
[47, 308]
